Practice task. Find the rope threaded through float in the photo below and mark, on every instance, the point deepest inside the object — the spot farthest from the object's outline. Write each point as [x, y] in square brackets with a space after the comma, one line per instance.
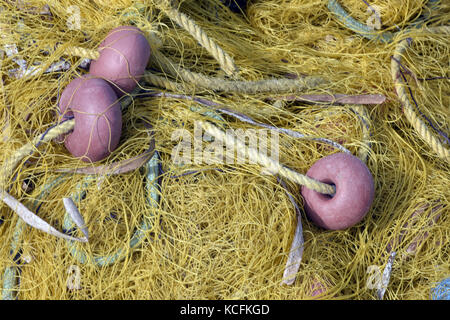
[268, 163]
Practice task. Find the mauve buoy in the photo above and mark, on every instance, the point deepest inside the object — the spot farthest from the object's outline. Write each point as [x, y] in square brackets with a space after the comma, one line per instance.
[124, 54]
[354, 192]
[98, 118]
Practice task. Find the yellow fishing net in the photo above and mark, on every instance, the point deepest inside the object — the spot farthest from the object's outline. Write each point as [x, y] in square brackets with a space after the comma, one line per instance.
[225, 231]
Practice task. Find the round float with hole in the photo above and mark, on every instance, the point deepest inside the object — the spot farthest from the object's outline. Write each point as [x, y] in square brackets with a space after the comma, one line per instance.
[98, 118]
[354, 192]
[124, 54]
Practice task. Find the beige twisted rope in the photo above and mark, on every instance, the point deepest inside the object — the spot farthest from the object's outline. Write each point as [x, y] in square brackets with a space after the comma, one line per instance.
[268, 163]
[27, 149]
[421, 128]
[82, 53]
[162, 82]
[248, 87]
[225, 61]
[223, 58]
[196, 79]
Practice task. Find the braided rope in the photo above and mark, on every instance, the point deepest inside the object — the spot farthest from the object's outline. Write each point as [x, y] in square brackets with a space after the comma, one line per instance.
[82, 53]
[211, 83]
[225, 61]
[421, 128]
[268, 163]
[162, 82]
[10, 164]
[244, 87]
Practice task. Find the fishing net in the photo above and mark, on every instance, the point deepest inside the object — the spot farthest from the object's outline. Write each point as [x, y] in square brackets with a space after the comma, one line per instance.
[212, 230]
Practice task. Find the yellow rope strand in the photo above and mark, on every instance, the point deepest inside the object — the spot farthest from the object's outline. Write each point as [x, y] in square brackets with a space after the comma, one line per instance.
[82, 53]
[212, 83]
[420, 127]
[9, 166]
[268, 163]
[225, 61]
[162, 82]
[244, 87]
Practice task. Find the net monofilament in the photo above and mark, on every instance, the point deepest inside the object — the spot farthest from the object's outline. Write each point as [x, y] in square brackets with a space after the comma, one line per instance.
[224, 230]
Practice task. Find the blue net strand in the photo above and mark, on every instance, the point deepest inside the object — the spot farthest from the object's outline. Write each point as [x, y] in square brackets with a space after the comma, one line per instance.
[369, 33]
[441, 291]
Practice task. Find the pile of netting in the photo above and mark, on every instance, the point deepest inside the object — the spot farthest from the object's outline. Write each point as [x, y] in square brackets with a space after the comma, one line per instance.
[370, 77]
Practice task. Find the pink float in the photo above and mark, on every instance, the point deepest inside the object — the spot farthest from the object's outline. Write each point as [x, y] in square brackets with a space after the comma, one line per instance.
[354, 192]
[124, 55]
[98, 118]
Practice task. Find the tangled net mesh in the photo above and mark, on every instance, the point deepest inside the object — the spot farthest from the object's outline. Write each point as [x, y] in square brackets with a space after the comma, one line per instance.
[225, 232]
